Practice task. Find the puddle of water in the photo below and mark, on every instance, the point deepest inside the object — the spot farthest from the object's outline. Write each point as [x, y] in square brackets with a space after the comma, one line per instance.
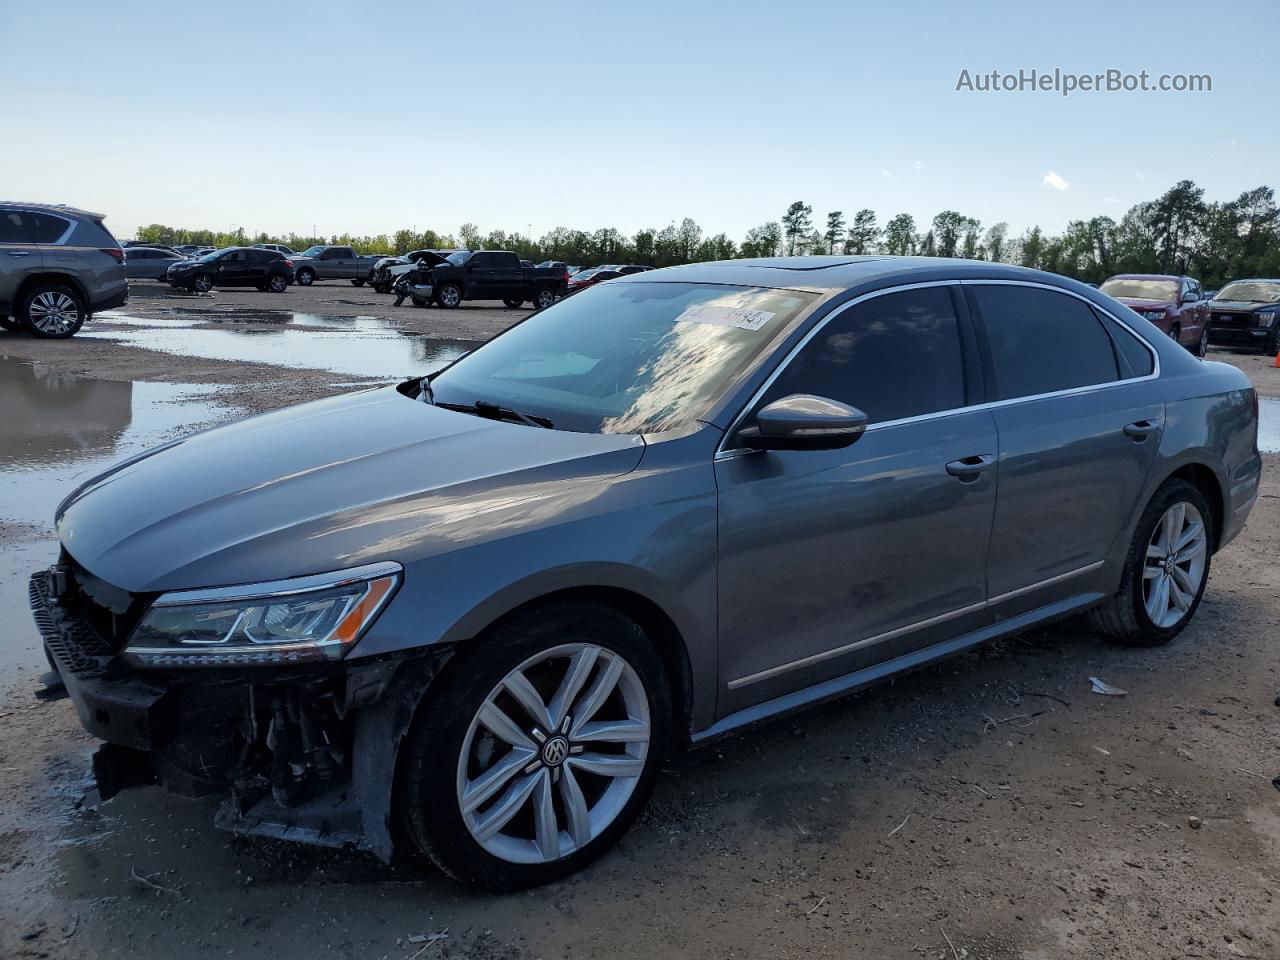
[365, 346]
[59, 430]
[1269, 425]
[189, 316]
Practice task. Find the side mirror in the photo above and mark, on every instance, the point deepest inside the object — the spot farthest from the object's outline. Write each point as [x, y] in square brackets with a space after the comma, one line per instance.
[804, 422]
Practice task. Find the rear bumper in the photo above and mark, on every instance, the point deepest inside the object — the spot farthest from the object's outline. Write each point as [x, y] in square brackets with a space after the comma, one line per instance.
[110, 301]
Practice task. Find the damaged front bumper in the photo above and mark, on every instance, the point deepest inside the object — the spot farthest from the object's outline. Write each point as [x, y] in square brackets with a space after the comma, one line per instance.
[297, 753]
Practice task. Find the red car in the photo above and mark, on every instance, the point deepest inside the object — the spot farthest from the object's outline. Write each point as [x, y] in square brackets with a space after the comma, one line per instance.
[589, 278]
[1176, 305]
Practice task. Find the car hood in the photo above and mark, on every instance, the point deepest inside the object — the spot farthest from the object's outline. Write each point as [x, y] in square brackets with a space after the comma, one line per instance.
[322, 486]
[1242, 306]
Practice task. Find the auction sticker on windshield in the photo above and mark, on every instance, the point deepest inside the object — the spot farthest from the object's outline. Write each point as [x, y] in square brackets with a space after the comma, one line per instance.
[726, 316]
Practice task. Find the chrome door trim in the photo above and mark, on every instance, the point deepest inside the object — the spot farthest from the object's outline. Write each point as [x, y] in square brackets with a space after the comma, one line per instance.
[850, 647]
[909, 628]
[723, 452]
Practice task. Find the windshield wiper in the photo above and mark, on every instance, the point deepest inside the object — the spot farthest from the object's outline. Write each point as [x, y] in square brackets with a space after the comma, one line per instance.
[483, 408]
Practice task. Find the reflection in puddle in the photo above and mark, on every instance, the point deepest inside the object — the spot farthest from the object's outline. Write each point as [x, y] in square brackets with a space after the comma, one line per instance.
[59, 430]
[188, 316]
[1268, 425]
[360, 346]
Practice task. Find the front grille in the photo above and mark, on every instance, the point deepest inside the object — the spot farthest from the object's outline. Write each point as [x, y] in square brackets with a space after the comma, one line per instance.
[111, 612]
[73, 643]
[1238, 320]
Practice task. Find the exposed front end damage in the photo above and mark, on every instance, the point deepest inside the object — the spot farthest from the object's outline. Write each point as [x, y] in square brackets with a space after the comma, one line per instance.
[304, 753]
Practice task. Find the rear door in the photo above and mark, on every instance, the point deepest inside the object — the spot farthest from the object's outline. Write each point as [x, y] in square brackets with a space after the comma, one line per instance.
[834, 560]
[1079, 421]
[19, 253]
[508, 277]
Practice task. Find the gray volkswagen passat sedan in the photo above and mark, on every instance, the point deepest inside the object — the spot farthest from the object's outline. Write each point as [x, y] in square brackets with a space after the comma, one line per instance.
[470, 614]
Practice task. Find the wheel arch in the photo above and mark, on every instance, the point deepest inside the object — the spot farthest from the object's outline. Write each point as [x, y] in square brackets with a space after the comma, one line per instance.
[1201, 476]
[51, 276]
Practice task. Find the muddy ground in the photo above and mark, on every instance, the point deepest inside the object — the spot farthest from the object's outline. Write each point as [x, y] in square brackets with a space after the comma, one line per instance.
[990, 806]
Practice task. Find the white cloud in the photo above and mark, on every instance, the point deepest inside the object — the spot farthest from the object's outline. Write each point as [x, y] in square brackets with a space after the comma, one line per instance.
[887, 174]
[1051, 179]
[918, 165]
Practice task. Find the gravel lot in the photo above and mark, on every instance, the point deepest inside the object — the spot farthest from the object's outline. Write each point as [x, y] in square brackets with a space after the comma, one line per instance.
[990, 806]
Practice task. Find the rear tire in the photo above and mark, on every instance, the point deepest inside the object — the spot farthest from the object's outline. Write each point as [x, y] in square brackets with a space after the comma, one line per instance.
[1127, 615]
[544, 298]
[447, 754]
[52, 311]
[512, 302]
[277, 283]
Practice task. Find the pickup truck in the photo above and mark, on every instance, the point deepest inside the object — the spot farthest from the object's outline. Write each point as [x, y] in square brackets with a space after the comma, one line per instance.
[332, 263]
[486, 275]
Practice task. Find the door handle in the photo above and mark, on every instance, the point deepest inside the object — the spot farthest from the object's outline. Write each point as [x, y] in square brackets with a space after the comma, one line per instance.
[1139, 430]
[19, 253]
[969, 468]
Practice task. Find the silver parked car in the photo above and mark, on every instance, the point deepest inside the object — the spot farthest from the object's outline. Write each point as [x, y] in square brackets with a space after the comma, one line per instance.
[58, 266]
[149, 263]
[474, 612]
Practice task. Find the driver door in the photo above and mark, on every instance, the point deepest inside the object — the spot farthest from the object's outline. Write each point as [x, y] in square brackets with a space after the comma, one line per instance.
[834, 560]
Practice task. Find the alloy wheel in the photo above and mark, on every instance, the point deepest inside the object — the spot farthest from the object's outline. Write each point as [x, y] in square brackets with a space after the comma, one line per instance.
[1175, 564]
[449, 297]
[202, 284]
[53, 312]
[545, 299]
[553, 754]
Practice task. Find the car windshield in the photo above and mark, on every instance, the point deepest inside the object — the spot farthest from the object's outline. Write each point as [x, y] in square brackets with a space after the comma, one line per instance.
[624, 357]
[214, 254]
[1135, 289]
[313, 251]
[1250, 291]
[459, 258]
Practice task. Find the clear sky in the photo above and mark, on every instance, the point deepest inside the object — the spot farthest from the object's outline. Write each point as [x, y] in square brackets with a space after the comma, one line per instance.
[365, 118]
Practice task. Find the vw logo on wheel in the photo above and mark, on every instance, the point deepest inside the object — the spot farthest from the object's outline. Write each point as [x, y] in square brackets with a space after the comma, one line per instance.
[554, 751]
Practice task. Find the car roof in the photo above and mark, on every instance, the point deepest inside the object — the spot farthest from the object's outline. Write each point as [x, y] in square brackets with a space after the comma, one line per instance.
[54, 208]
[833, 274]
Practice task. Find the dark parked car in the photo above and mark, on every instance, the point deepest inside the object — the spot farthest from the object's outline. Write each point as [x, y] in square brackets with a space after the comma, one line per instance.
[387, 270]
[486, 275]
[234, 267]
[130, 244]
[1174, 304]
[280, 248]
[482, 605]
[58, 266]
[150, 263]
[1247, 312]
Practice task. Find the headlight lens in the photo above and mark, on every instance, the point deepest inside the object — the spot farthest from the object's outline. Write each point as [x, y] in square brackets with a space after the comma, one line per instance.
[1266, 320]
[1153, 314]
[287, 622]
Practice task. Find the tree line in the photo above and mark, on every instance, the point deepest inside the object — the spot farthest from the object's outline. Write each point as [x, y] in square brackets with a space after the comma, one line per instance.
[1177, 232]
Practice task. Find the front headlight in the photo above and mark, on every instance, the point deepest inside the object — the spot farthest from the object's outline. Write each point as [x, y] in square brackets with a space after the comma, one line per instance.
[1266, 320]
[1153, 314]
[285, 622]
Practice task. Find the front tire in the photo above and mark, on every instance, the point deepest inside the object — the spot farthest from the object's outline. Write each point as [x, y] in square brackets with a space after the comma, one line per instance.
[357, 282]
[306, 277]
[449, 295]
[1165, 570]
[536, 748]
[202, 283]
[1202, 346]
[52, 311]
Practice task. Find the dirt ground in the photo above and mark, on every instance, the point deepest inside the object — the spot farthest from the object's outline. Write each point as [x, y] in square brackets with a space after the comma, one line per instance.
[987, 807]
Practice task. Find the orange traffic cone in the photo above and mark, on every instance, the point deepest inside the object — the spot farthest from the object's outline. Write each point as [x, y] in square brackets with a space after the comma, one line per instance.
[1276, 362]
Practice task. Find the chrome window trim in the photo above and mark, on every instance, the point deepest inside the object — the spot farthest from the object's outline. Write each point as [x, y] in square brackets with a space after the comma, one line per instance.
[727, 453]
[909, 628]
[280, 588]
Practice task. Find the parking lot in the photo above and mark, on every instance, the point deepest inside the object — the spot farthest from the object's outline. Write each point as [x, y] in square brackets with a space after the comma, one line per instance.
[990, 806]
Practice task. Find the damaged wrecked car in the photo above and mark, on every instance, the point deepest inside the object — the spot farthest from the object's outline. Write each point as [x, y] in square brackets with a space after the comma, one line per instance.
[469, 615]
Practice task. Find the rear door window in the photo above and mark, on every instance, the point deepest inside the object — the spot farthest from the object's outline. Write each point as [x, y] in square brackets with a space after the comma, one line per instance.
[892, 357]
[28, 226]
[1042, 341]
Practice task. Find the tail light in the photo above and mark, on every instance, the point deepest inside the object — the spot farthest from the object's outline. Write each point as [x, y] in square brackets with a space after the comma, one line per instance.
[566, 276]
[114, 252]
[288, 262]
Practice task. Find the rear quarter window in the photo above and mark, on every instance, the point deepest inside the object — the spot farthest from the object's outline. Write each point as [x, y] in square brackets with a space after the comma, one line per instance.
[1134, 354]
[1042, 341]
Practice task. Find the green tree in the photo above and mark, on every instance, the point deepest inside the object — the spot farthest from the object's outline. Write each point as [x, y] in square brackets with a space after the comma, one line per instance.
[900, 235]
[469, 234]
[795, 224]
[762, 241]
[862, 233]
[835, 229]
